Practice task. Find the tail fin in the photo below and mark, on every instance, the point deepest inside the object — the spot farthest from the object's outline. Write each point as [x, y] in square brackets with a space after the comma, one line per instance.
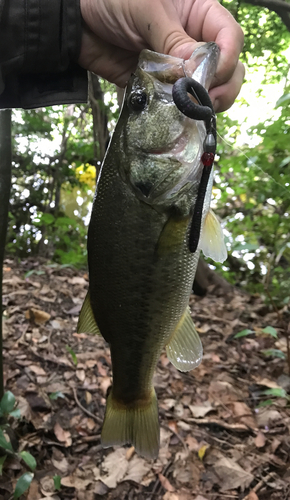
[137, 425]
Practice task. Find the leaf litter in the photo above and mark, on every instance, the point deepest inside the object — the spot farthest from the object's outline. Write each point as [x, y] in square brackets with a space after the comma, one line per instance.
[222, 435]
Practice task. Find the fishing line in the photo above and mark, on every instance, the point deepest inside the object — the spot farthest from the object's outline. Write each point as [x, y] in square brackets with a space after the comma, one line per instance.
[254, 164]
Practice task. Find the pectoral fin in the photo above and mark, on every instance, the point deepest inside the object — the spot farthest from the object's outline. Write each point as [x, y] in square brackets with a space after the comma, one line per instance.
[184, 349]
[212, 239]
[87, 322]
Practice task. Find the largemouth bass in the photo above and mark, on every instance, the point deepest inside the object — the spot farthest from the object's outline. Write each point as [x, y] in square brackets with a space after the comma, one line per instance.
[140, 267]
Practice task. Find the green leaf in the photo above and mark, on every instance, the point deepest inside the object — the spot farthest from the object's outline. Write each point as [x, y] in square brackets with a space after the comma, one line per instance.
[4, 443]
[243, 333]
[270, 331]
[285, 162]
[278, 392]
[33, 271]
[56, 480]
[72, 353]
[57, 394]
[23, 484]
[7, 402]
[15, 413]
[28, 459]
[47, 219]
[282, 100]
[268, 402]
[274, 353]
[2, 460]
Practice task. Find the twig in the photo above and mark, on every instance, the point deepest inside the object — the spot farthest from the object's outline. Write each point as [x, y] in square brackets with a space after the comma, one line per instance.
[260, 483]
[220, 423]
[157, 482]
[87, 412]
[90, 439]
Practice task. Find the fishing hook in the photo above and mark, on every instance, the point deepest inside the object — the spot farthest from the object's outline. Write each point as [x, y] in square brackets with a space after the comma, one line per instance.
[202, 111]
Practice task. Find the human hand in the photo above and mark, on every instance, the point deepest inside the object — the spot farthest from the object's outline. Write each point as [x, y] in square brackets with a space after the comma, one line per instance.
[115, 31]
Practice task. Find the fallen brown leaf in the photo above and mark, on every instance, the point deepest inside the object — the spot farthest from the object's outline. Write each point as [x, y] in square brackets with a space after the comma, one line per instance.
[200, 411]
[170, 496]
[81, 375]
[232, 475]
[61, 465]
[76, 482]
[267, 416]
[165, 483]
[251, 496]
[244, 414]
[116, 468]
[62, 435]
[37, 315]
[77, 280]
[260, 440]
[33, 492]
[37, 370]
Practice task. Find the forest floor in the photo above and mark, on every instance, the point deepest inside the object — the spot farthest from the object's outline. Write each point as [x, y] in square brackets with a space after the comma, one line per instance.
[224, 426]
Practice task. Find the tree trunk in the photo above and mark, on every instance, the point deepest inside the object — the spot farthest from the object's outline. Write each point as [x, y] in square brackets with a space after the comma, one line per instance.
[100, 120]
[205, 277]
[5, 185]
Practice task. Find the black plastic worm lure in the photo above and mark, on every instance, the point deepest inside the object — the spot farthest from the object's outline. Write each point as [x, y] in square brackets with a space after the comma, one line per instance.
[201, 111]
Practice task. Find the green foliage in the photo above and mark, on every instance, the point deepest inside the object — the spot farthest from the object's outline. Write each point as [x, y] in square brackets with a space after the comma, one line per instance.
[243, 333]
[276, 392]
[23, 484]
[7, 403]
[253, 199]
[2, 461]
[56, 395]
[28, 459]
[4, 443]
[266, 37]
[7, 411]
[273, 353]
[57, 482]
[73, 354]
[49, 197]
[55, 160]
[269, 330]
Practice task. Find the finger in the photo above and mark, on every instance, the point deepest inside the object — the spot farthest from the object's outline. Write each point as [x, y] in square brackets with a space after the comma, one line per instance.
[224, 95]
[207, 21]
[159, 25]
[220, 26]
[106, 60]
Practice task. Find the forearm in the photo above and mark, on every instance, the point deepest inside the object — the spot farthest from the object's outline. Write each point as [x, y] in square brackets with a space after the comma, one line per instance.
[39, 45]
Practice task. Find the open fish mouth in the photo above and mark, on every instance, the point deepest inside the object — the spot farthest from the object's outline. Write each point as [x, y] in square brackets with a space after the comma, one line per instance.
[175, 147]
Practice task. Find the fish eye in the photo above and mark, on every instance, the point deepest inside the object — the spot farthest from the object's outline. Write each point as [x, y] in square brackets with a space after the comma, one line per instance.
[138, 100]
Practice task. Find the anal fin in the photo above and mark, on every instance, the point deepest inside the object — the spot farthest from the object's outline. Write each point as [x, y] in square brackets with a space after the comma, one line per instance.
[184, 349]
[87, 322]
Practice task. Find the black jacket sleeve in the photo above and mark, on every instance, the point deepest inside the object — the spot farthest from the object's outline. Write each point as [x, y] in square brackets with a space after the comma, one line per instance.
[39, 45]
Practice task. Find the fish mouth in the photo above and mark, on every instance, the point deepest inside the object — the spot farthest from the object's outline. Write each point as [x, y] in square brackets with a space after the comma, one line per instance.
[175, 147]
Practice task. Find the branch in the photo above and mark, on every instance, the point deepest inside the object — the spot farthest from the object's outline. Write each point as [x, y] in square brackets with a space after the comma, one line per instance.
[281, 7]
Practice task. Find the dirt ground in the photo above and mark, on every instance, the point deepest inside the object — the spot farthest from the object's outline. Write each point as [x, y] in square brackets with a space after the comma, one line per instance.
[224, 426]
